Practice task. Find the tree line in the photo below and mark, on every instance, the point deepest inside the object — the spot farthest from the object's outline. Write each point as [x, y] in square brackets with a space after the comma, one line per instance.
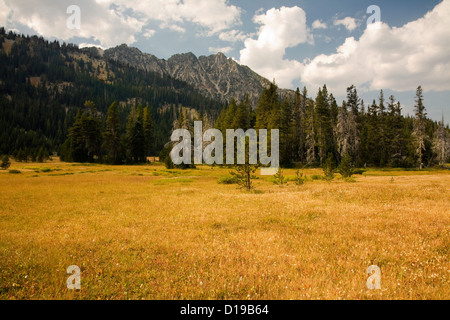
[92, 140]
[40, 118]
[312, 129]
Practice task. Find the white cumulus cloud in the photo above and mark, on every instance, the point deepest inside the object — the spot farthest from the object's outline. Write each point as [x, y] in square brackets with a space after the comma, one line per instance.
[280, 29]
[349, 23]
[319, 25]
[112, 22]
[99, 22]
[212, 15]
[232, 36]
[149, 33]
[400, 59]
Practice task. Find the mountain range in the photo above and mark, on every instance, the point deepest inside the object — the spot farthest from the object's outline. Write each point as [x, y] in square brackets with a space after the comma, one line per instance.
[44, 83]
[215, 76]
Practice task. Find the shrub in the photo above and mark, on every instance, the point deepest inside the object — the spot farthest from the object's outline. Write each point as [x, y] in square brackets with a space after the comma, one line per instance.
[358, 171]
[279, 178]
[345, 167]
[299, 179]
[168, 162]
[244, 175]
[328, 168]
[5, 162]
[228, 180]
[13, 171]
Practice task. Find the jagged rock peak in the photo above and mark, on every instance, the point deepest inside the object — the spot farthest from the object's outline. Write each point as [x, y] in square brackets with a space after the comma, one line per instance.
[216, 75]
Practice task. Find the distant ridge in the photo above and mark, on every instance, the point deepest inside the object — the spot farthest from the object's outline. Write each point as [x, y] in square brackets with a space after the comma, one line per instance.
[216, 75]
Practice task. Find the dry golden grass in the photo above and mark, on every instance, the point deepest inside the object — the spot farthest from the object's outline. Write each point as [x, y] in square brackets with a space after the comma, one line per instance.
[143, 232]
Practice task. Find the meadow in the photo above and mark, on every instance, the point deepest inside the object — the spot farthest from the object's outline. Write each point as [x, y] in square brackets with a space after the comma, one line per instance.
[145, 232]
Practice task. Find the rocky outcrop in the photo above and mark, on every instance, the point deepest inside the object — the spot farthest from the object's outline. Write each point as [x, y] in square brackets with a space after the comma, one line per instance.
[216, 76]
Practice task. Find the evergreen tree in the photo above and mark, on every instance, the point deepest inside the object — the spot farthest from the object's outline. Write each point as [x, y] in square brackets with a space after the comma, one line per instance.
[382, 132]
[267, 108]
[137, 142]
[6, 163]
[41, 155]
[74, 148]
[285, 127]
[244, 174]
[324, 134]
[310, 136]
[395, 136]
[329, 168]
[148, 131]
[299, 123]
[229, 122]
[373, 136]
[419, 126]
[111, 135]
[353, 100]
[345, 168]
[129, 136]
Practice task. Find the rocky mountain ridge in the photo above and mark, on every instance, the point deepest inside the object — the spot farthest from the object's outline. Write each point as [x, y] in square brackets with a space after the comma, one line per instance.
[216, 75]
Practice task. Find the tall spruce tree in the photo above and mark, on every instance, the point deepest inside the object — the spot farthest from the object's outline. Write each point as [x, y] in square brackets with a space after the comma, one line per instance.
[324, 133]
[285, 127]
[310, 135]
[299, 123]
[419, 126]
[111, 135]
[148, 131]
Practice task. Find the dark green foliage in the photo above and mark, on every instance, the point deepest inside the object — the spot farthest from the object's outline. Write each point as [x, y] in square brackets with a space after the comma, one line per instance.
[42, 156]
[420, 135]
[228, 180]
[329, 168]
[85, 139]
[244, 175]
[6, 163]
[279, 178]
[299, 178]
[148, 131]
[111, 136]
[168, 162]
[345, 168]
[14, 171]
[359, 171]
[135, 136]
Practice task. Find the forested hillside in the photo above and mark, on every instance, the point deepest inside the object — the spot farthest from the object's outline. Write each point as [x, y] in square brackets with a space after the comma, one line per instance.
[43, 85]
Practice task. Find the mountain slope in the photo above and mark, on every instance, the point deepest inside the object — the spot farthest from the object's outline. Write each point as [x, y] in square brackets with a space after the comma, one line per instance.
[217, 76]
[43, 84]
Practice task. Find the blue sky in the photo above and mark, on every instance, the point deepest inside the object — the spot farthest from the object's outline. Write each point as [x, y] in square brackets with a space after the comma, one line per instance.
[297, 42]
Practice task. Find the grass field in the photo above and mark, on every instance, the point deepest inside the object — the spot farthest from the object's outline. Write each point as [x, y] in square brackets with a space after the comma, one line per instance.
[144, 232]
